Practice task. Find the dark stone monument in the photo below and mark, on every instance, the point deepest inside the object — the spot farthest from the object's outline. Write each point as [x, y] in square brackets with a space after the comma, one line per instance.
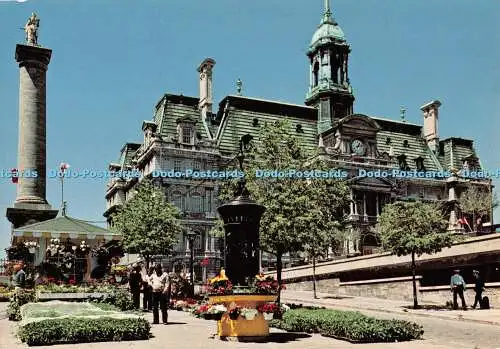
[241, 218]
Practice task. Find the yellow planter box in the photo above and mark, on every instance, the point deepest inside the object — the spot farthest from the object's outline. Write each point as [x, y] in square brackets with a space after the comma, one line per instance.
[258, 327]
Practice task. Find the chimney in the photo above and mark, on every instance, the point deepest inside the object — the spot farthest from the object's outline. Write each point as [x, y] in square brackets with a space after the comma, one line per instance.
[205, 70]
[431, 114]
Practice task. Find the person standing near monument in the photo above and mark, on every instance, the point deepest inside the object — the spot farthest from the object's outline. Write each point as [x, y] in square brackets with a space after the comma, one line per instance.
[457, 285]
[19, 279]
[160, 286]
[478, 288]
[134, 281]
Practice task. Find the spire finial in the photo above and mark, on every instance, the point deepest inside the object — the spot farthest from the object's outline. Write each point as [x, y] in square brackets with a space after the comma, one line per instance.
[327, 15]
[239, 85]
[403, 113]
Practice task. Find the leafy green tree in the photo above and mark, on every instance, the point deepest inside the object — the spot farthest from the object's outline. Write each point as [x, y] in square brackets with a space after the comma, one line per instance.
[293, 208]
[414, 228]
[148, 223]
[477, 201]
[323, 217]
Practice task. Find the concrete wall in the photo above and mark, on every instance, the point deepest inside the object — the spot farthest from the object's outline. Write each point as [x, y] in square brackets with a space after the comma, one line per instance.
[488, 245]
[396, 289]
[393, 288]
[322, 286]
[441, 294]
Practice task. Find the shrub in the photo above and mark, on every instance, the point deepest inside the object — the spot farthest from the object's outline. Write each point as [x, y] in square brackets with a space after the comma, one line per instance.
[83, 330]
[119, 298]
[18, 299]
[349, 325]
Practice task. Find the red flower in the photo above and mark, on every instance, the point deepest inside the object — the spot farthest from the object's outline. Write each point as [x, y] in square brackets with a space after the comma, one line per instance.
[72, 281]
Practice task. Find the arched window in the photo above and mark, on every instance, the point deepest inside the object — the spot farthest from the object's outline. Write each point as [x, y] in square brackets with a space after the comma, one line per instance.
[316, 74]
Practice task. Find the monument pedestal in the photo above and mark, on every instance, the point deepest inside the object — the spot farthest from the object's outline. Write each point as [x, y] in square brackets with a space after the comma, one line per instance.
[19, 217]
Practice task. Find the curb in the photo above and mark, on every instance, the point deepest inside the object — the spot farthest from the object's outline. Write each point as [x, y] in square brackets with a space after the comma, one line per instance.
[400, 312]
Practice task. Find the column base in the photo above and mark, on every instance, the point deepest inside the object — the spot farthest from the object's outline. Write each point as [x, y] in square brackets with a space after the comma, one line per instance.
[21, 216]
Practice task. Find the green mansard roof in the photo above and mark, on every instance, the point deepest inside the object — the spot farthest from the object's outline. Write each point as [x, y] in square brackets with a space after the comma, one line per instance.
[241, 115]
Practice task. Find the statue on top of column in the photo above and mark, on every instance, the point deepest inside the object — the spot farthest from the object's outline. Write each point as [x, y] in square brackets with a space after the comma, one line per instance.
[31, 29]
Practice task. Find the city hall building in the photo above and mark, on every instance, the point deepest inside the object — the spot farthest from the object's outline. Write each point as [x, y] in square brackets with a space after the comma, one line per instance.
[191, 133]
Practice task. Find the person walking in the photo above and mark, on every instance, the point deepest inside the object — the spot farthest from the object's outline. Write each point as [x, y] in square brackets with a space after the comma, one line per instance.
[478, 288]
[159, 282]
[134, 282]
[457, 285]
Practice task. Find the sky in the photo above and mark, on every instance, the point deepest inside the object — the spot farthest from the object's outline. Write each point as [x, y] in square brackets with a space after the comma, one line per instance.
[113, 60]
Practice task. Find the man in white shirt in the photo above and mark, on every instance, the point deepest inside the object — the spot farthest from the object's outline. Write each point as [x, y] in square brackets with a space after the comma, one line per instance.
[160, 287]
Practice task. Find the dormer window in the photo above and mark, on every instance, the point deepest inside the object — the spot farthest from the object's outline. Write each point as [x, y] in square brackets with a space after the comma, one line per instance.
[419, 162]
[471, 163]
[187, 134]
[403, 165]
[388, 140]
[299, 129]
[255, 122]
[406, 144]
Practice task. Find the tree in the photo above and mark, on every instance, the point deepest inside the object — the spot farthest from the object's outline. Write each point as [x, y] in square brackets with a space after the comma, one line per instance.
[293, 209]
[148, 223]
[414, 228]
[477, 201]
[321, 224]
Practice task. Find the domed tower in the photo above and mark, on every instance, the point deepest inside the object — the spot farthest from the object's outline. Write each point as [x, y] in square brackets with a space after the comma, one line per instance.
[329, 88]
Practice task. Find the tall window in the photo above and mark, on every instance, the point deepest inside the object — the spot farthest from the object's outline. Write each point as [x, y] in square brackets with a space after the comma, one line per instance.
[197, 165]
[196, 203]
[316, 74]
[187, 135]
[177, 199]
[177, 165]
[209, 193]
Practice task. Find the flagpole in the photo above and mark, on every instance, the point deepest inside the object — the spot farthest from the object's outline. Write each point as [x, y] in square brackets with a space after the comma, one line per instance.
[62, 191]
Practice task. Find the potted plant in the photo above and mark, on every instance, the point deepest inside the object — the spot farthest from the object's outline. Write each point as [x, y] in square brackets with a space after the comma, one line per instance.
[249, 313]
[266, 284]
[220, 285]
[201, 310]
[119, 271]
[234, 312]
[217, 311]
[268, 310]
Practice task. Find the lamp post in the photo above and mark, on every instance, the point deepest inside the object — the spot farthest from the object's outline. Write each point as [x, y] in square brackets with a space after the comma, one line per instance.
[191, 236]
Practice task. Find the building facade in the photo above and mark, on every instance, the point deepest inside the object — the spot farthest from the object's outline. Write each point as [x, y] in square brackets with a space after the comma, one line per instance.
[187, 133]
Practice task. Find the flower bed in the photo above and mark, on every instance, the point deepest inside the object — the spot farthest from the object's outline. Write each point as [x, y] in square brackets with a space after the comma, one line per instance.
[92, 288]
[348, 325]
[62, 322]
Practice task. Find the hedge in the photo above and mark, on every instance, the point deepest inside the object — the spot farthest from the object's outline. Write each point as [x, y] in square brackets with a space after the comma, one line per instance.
[18, 299]
[83, 330]
[348, 325]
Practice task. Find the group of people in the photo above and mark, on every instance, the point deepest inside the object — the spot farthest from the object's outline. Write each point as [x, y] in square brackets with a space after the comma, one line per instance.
[458, 287]
[156, 288]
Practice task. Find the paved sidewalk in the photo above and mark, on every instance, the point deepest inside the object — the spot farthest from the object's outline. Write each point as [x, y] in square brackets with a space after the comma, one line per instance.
[187, 332]
[491, 316]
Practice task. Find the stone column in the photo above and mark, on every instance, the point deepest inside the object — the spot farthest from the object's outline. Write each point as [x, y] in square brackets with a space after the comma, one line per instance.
[33, 64]
[31, 204]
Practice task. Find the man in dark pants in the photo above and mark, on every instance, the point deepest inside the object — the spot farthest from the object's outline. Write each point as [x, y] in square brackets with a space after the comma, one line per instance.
[479, 288]
[134, 281]
[159, 282]
[457, 285]
[147, 303]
